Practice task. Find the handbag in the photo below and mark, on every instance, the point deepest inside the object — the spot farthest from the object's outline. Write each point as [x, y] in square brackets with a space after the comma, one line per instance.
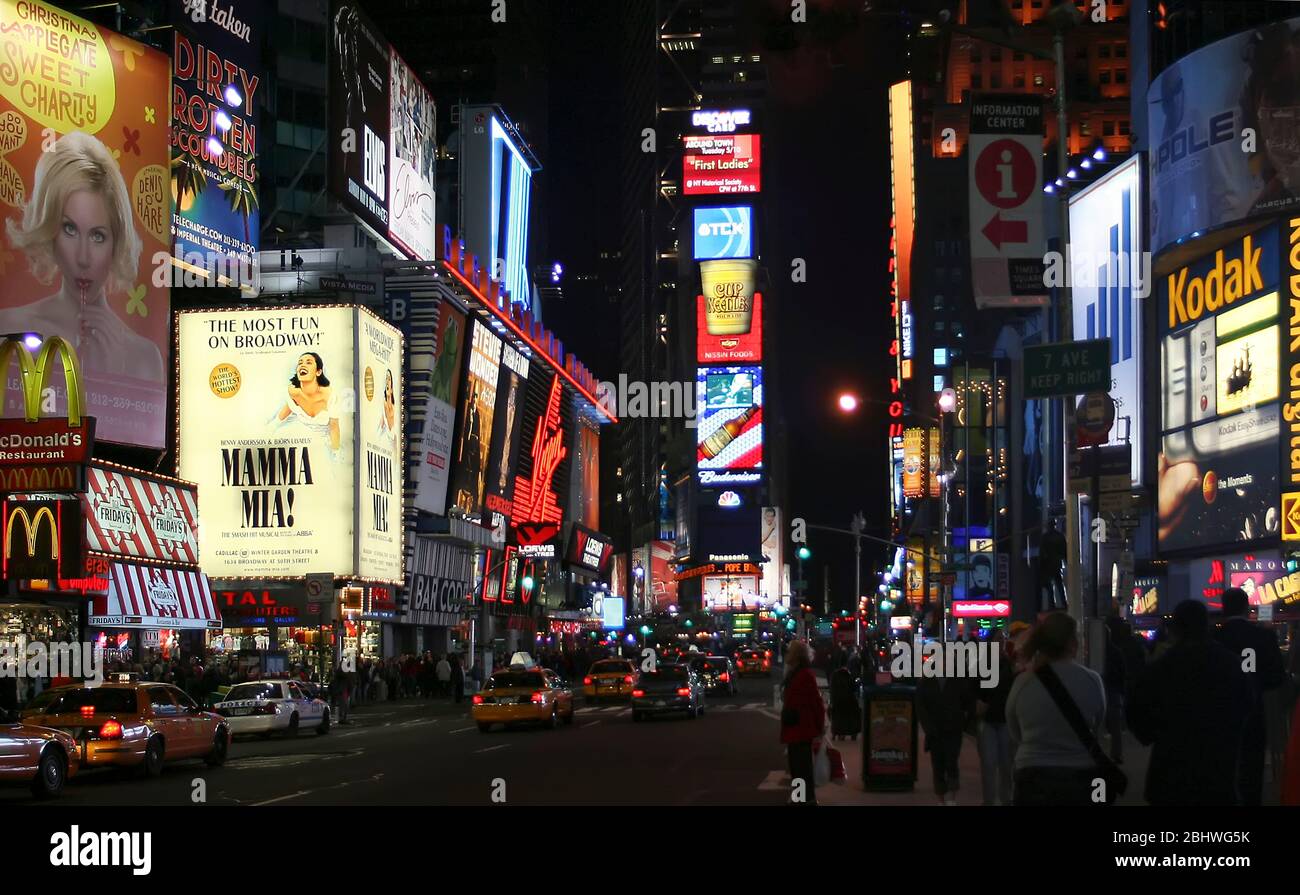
[838, 773]
[1116, 779]
[821, 763]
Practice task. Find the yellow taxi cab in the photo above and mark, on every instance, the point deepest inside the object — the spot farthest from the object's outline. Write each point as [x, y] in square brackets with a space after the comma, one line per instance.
[130, 723]
[42, 758]
[523, 695]
[754, 661]
[609, 678]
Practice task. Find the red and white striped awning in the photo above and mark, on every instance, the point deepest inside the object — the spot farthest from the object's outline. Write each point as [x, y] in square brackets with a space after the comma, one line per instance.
[151, 597]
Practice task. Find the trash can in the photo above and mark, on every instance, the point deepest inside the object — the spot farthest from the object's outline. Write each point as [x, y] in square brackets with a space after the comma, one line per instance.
[889, 737]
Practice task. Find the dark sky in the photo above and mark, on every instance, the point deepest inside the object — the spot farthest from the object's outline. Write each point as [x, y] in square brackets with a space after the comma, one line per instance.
[826, 197]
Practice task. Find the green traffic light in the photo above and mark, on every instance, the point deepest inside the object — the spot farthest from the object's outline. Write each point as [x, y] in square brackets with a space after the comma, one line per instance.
[645, 629]
[689, 623]
[804, 553]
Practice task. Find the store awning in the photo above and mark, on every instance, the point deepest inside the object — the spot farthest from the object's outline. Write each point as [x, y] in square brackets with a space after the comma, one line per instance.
[150, 597]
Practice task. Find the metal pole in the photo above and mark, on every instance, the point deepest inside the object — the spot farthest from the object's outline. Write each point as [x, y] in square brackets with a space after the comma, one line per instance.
[857, 587]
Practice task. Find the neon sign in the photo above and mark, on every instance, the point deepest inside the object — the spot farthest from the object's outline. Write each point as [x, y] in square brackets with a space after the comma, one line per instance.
[535, 498]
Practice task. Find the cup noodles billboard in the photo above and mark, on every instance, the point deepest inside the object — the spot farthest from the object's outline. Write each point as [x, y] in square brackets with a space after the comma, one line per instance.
[84, 130]
[290, 423]
[729, 315]
[720, 164]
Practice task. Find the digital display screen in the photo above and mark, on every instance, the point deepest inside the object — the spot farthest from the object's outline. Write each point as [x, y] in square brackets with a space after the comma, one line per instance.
[729, 425]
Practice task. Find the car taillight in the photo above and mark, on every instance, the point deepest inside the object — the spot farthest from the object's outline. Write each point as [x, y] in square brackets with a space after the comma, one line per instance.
[683, 691]
[539, 697]
[87, 711]
[587, 680]
[767, 664]
[478, 700]
[112, 730]
[628, 679]
[638, 694]
[724, 677]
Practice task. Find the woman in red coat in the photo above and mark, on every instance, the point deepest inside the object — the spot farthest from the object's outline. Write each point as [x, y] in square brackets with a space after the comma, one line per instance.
[803, 716]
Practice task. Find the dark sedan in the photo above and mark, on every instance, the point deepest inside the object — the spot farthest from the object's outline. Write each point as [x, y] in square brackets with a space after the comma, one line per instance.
[718, 674]
[670, 688]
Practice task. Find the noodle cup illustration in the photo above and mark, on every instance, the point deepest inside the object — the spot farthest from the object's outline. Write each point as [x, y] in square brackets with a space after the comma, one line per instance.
[728, 296]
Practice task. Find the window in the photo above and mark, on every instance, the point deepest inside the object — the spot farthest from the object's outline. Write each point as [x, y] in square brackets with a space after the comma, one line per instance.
[1108, 129]
[977, 80]
[1019, 80]
[976, 53]
[1105, 76]
[1085, 128]
[1103, 51]
[996, 54]
[938, 326]
[1121, 51]
[1121, 76]
[1038, 80]
[1123, 127]
[160, 701]
[995, 80]
[184, 701]
[1018, 56]
[938, 302]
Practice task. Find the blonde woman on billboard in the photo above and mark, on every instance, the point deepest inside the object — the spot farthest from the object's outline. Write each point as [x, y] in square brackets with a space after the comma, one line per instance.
[313, 405]
[78, 224]
[388, 419]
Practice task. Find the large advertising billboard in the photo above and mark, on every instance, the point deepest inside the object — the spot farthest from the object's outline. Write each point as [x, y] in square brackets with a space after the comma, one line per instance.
[478, 402]
[381, 161]
[84, 125]
[1222, 129]
[543, 462]
[729, 429]
[290, 424]
[507, 430]
[434, 469]
[1221, 421]
[216, 93]
[729, 315]
[496, 176]
[1109, 282]
[725, 231]
[719, 164]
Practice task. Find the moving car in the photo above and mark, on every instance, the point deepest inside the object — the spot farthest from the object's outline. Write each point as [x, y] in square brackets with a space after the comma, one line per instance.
[136, 724]
[717, 672]
[270, 707]
[38, 756]
[609, 678]
[523, 695]
[753, 661]
[672, 687]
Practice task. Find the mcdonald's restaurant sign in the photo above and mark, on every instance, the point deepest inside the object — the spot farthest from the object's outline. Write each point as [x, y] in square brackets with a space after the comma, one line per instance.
[44, 455]
[41, 538]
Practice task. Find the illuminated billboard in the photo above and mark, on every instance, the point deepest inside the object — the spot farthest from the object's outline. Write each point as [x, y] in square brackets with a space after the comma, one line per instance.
[725, 346]
[720, 165]
[290, 423]
[381, 166]
[496, 176]
[433, 469]
[478, 403]
[729, 425]
[723, 232]
[1108, 279]
[1218, 466]
[84, 131]
[507, 429]
[914, 459]
[216, 217]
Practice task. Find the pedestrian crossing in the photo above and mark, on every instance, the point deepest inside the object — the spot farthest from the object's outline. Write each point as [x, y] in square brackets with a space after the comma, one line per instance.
[624, 709]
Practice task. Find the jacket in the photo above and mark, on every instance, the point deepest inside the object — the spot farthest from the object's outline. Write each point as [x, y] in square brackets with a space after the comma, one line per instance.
[801, 695]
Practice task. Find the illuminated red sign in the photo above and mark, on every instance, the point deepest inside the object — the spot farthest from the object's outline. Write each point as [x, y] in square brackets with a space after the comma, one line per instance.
[729, 348]
[720, 164]
[981, 609]
[535, 499]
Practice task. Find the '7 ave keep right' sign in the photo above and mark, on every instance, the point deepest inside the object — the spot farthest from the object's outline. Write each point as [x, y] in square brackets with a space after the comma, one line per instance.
[1067, 368]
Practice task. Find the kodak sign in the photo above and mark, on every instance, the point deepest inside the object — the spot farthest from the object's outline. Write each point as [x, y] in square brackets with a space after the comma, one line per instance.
[1290, 460]
[1237, 271]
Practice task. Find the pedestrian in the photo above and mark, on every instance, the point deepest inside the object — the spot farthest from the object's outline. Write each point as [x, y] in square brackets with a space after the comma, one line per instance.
[340, 693]
[1238, 634]
[1290, 794]
[993, 740]
[1115, 677]
[1191, 706]
[803, 717]
[1053, 763]
[846, 713]
[457, 680]
[855, 663]
[944, 703]
[444, 677]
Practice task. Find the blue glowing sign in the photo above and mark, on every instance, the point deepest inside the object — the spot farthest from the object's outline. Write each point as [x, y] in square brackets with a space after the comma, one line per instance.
[724, 232]
[612, 613]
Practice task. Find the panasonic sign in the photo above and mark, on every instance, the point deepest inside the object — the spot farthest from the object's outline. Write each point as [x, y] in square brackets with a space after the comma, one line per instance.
[724, 232]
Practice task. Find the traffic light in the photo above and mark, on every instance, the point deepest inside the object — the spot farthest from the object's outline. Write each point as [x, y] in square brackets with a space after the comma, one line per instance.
[805, 553]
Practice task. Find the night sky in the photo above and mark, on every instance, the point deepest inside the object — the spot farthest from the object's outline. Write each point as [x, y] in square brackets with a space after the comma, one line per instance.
[826, 196]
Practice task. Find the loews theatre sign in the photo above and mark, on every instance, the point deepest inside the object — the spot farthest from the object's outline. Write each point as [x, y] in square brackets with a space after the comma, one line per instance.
[36, 454]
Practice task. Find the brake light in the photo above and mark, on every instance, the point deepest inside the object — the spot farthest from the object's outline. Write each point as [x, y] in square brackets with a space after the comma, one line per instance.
[539, 697]
[724, 677]
[478, 700]
[638, 694]
[628, 679]
[683, 691]
[587, 680]
[87, 711]
[112, 730]
[767, 664]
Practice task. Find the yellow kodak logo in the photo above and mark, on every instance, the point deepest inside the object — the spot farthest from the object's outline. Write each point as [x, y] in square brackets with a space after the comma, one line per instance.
[1190, 298]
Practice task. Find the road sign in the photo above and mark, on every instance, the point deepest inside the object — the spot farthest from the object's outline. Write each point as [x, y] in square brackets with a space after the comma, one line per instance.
[1067, 368]
[320, 585]
[1094, 417]
[1114, 468]
[1006, 172]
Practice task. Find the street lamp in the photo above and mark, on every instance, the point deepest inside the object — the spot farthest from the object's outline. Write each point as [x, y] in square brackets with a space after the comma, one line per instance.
[848, 402]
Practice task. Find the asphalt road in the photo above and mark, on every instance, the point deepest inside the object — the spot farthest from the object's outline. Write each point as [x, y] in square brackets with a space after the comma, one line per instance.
[413, 752]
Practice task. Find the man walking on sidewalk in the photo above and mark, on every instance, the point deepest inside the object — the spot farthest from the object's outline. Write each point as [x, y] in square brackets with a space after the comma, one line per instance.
[444, 676]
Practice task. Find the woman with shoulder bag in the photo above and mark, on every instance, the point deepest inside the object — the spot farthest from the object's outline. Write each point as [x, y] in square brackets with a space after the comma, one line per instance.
[1053, 712]
[803, 716]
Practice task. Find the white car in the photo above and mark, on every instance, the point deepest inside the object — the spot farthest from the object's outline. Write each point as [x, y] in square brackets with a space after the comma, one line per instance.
[267, 707]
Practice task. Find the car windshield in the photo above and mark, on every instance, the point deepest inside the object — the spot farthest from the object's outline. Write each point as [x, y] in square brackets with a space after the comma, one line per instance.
[666, 673]
[44, 698]
[260, 690]
[611, 668]
[102, 699]
[516, 679]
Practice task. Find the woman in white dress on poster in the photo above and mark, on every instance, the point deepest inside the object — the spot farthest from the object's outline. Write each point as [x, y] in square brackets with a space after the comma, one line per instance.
[314, 405]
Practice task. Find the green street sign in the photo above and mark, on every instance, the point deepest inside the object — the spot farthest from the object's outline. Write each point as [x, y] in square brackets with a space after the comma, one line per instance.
[1067, 368]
